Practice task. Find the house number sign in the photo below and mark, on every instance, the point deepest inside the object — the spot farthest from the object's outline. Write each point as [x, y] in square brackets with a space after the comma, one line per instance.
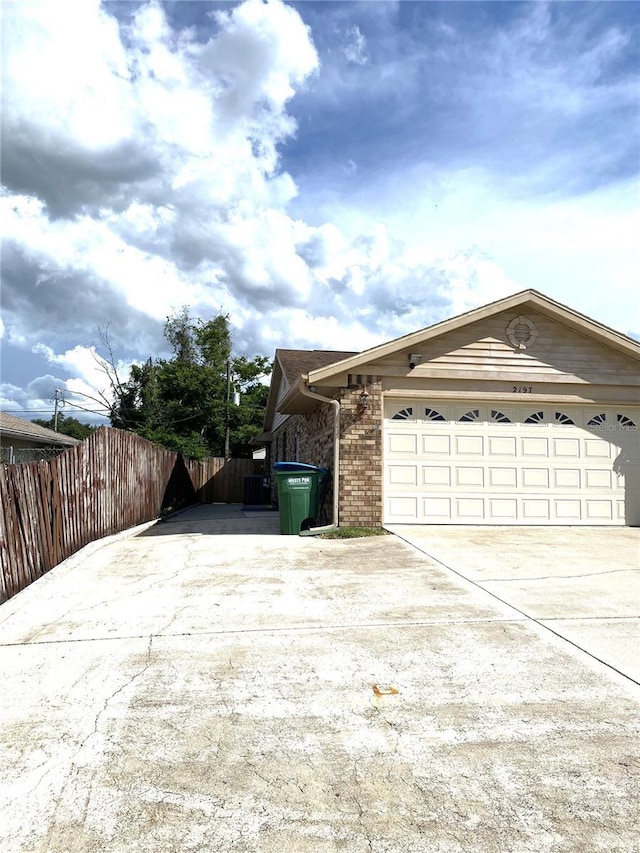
[522, 389]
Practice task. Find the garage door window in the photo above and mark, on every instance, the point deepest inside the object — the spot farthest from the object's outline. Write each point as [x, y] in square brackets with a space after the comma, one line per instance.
[561, 418]
[597, 420]
[473, 415]
[403, 414]
[433, 415]
[540, 418]
[626, 422]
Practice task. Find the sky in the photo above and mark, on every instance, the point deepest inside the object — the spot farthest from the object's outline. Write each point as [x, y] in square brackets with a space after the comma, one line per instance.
[329, 175]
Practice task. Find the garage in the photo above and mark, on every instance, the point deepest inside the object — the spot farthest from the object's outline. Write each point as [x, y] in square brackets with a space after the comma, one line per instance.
[520, 412]
[448, 462]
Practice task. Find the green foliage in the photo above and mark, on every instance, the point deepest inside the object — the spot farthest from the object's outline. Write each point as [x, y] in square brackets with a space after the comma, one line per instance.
[183, 402]
[353, 532]
[67, 426]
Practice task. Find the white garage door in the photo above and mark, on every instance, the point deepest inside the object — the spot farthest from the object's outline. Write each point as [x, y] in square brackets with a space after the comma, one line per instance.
[446, 463]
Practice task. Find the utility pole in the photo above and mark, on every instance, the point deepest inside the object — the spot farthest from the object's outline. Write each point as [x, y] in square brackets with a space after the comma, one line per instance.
[57, 399]
[236, 402]
[227, 454]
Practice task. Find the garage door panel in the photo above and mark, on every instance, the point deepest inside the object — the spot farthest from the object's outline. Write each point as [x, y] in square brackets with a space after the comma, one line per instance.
[403, 475]
[436, 444]
[469, 476]
[596, 448]
[403, 509]
[535, 478]
[436, 475]
[600, 509]
[469, 445]
[503, 509]
[535, 447]
[437, 509]
[403, 443]
[540, 467]
[536, 510]
[470, 509]
[566, 478]
[566, 448]
[503, 477]
[502, 445]
[598, 479]
[568, 511]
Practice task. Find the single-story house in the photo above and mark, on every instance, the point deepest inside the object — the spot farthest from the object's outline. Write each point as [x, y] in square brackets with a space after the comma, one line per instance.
[18, 436]
[520, 412]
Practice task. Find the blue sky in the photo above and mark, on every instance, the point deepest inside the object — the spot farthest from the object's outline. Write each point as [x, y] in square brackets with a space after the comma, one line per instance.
[327, 173]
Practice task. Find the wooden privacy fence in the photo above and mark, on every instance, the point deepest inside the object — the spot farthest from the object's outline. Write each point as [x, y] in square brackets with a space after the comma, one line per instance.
[217, 480]
[111, 481]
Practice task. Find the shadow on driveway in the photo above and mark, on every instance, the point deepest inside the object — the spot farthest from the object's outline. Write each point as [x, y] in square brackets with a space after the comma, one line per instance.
[218, 520]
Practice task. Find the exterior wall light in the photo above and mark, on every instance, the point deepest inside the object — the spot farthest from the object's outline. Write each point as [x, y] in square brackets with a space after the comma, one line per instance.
[362, 405]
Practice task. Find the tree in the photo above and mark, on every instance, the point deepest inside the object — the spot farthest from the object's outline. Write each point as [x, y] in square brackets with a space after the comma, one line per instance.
[183, 403]
[67, 426]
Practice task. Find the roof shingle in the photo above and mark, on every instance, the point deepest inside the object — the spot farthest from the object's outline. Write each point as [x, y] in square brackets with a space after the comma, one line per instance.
[294, 362]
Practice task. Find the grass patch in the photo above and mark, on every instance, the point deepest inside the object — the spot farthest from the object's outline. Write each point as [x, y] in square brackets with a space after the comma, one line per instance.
[353, 533]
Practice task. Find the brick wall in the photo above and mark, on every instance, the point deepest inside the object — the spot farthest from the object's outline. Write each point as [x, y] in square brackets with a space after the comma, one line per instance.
[312, 436]
[360, 499]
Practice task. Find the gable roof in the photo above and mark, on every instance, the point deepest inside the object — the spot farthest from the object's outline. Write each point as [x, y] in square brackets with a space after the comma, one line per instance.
[526, 298]
[294, 369]
[12, 426]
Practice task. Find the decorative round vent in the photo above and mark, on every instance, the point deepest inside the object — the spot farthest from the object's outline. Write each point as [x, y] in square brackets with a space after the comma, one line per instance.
[522, 332]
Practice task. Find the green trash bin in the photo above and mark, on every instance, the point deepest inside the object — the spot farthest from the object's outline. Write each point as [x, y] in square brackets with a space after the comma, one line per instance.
[298, 487]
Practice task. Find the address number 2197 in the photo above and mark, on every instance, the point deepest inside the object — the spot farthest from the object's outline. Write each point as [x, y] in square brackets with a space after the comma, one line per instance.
[521, 389]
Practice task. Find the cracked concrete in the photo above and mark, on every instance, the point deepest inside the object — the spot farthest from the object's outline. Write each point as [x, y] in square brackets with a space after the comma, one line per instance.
[209, 685]
[587, 592]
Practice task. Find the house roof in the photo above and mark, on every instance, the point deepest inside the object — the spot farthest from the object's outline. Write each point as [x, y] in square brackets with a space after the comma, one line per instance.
[289, 365]
[297, 370]
[12, 426]
[529, 298]
[295, 362]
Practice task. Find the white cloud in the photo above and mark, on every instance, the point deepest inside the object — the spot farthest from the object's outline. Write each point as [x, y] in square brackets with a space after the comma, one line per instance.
[201, 223]
[206, 224]
[355, 51]
[142, 171]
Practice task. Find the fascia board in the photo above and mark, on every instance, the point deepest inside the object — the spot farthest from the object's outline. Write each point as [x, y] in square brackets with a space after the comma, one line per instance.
[274, 391]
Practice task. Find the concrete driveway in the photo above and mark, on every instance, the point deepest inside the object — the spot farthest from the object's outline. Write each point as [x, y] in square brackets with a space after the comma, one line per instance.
[581, 583]
[209, 685]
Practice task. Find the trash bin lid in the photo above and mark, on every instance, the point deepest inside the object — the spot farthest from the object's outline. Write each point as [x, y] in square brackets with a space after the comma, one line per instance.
[281, 467]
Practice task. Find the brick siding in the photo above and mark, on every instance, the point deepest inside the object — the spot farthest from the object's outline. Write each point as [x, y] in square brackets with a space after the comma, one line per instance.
[360, 501]
[360, 498]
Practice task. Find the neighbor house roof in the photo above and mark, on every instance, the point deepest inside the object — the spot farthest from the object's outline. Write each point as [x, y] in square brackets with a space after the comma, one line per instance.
[11, 426]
